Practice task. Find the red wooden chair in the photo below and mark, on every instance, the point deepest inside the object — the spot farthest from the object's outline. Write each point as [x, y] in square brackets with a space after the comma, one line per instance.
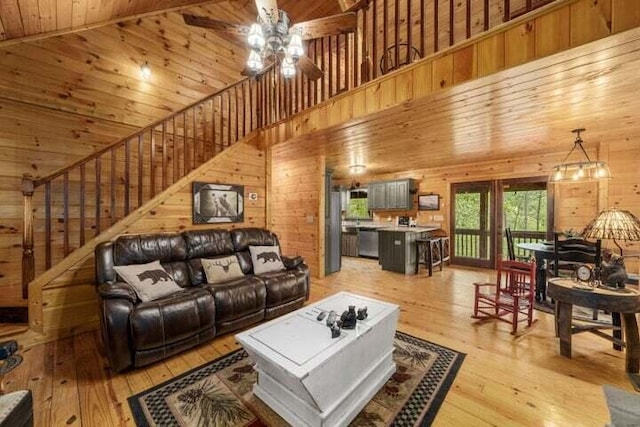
[511, 297]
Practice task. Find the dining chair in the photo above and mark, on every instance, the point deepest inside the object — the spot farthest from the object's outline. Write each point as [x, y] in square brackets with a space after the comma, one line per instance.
[511, 251]
[569, 253]
[511, 298]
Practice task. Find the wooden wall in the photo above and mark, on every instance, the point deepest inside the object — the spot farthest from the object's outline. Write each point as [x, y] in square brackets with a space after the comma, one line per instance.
[296, 204]
[64, 300]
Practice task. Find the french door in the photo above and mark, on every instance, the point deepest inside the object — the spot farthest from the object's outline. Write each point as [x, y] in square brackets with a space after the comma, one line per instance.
[472, 219]
[480, 212]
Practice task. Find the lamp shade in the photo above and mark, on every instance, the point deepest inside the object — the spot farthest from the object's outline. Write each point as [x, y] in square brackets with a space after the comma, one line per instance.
[613, 224]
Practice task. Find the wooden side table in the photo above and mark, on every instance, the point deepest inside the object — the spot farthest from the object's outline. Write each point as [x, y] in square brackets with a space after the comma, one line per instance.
[567, 293]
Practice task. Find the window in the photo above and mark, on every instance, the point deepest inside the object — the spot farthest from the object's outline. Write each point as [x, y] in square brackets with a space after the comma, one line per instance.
[358, 205]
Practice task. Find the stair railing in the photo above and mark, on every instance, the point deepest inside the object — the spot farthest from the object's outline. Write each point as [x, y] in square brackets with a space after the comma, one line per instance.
[70, 206]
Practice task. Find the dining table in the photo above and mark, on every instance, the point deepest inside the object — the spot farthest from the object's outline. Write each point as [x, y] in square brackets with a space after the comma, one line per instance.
[541, 252]
[623, 304]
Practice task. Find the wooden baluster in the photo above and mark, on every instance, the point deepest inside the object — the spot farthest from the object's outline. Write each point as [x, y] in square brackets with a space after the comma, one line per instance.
[112, 206]
[98, 172]
[236, 105]
[221, 130]
[82, 204]
[374, 39]
[194, 128]
[422, 30]
[140, 167]
[47, 224]
[164, 155]
[364, 68]
[486, 15]
[396, 32]
[228, 119]
[127, 175]
[435, 26]
[65, 213]
[203, 150]
[332, 75]
[385, 36]
[185, 151]
[28, 260]
[529, 6]
[507, 11]
[468, 19]
[213, 127]
[347, 62]
[152, 164]
[335, 70]
[244, 106]
[409, 35]
[451, 22]
[313, 86]
[252, 107]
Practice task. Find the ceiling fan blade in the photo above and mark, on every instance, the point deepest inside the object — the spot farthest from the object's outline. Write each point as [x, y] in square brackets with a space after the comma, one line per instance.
[202, 21]
[351, 5]
[310, 69]
[267, 8]
[329, 26]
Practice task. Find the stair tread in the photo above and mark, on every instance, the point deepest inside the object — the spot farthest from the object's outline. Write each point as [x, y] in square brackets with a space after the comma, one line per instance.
[7, 329]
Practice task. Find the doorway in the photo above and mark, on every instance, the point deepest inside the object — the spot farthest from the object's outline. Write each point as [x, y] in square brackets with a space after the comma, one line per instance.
[481, 211]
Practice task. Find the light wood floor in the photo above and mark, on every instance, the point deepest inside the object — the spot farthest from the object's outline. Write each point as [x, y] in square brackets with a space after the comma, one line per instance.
[503, 381]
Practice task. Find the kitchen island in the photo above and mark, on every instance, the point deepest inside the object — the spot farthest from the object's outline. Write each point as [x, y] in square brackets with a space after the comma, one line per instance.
[397, 247]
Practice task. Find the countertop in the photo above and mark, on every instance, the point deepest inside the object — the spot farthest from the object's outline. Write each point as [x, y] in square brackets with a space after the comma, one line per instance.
[409, 229]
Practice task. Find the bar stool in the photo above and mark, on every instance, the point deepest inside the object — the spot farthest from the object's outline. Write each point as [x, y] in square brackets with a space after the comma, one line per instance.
[445, 250]
[429, 253]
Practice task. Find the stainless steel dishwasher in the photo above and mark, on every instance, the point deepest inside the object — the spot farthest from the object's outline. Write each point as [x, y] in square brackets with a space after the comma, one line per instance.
[368, 242]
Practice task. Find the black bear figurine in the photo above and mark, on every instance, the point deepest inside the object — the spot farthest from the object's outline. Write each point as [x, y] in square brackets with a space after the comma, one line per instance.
[349, 318]
[362, 313]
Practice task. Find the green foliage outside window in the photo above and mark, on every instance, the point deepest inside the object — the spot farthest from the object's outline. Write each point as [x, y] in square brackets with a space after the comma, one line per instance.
[358, 209]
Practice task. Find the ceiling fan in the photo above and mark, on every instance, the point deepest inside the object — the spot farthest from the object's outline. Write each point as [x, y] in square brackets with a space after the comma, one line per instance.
[273, 39]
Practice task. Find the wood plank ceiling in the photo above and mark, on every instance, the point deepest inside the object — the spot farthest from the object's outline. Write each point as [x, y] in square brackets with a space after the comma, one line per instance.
[529, 110]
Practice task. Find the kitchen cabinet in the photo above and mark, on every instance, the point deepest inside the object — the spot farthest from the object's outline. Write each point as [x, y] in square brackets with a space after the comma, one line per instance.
[377, 195]
[350, 245]
[397, 249]
[391, 195]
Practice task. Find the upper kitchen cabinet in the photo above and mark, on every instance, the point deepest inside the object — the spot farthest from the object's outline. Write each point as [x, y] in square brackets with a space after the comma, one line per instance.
[391, 194]
[377, 195]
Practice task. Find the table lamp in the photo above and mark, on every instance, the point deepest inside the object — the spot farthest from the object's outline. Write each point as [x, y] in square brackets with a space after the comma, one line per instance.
[614, 224]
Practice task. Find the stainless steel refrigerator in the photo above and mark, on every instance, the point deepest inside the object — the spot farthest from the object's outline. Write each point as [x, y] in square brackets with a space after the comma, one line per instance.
[332, 229]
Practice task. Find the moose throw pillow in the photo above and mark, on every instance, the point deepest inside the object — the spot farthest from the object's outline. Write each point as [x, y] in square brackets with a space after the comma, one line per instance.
[149, 281]
[266, 259]
[222, 269]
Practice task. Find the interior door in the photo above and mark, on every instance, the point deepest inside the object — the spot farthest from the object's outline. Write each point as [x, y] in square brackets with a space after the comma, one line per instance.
[472, 217]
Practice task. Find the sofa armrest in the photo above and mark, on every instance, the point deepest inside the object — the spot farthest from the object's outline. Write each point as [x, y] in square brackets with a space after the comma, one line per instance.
[117, 290]
[292, 262]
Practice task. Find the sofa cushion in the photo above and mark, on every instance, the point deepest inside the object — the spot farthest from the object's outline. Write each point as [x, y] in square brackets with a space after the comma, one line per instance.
[149, 281]
[172, 319]
[284, 286]
[207, 243]
[179, 271]
[266, 259]
[221, 269]
[244, 237]
[141, 249]
[238, 298]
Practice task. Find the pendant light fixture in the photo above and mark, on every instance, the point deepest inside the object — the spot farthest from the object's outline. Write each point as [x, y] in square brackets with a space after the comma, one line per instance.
[583, 170]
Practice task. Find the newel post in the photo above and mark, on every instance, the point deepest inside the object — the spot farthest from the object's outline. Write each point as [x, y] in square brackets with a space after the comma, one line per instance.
[28, 264]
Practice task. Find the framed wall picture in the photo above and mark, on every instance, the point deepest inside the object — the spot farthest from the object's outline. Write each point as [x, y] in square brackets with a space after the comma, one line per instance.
[429, 202]
[217, 203]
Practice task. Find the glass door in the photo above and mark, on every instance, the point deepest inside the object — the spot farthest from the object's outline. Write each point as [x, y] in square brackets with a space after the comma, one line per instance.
[472, 218]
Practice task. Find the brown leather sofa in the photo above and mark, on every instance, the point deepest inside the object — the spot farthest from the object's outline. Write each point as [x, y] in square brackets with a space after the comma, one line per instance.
[137, 333]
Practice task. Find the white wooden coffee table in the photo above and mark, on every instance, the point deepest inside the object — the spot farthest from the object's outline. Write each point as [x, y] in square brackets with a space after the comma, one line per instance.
[310, 379]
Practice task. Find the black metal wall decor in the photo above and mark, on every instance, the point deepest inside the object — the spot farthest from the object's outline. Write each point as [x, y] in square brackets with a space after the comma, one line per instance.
[217, 203]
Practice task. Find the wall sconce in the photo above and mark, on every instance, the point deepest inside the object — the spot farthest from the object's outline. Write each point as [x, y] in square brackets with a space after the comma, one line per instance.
[145, 70]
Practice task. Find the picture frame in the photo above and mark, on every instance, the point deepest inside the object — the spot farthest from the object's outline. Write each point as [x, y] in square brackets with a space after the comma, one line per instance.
[429, 202]
[217, 203]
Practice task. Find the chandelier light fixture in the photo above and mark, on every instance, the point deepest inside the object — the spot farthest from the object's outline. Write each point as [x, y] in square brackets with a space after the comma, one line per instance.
[583, 170]
[270, 39]
[357, 169]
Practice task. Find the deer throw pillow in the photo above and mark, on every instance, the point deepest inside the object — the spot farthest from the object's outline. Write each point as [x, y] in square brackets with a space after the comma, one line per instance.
[266, 259]
[222, 269]
[149, 281]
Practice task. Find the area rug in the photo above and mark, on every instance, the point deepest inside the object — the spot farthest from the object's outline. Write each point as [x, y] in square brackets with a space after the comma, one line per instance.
[219, 393]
